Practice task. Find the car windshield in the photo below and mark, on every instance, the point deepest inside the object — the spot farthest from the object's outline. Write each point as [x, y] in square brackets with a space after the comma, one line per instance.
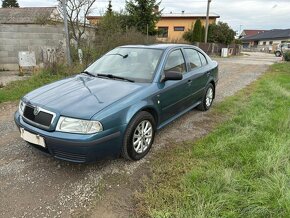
[131, 64]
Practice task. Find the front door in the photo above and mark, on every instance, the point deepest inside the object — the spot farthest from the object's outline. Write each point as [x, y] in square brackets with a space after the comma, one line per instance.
[174, 95]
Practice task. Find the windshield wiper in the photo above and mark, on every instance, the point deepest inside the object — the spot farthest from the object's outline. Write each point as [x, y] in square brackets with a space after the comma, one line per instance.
[123, 56]
[88, 73]
[111, 76]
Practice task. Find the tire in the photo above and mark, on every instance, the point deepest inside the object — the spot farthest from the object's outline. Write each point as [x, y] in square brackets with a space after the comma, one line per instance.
[143, 121]
[278, 54]
[208, 98]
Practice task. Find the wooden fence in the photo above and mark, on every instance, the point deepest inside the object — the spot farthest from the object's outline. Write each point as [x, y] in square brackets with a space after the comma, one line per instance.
[215, 48]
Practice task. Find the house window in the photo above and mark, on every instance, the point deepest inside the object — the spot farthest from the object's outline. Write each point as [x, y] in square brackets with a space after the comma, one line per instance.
[264, 43]
[163, 32]
[179, 28]
[271, 42]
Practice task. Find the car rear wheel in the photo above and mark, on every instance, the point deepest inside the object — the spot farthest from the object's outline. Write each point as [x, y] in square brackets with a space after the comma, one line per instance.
[278, 54]
[139, 136]
[208, 98]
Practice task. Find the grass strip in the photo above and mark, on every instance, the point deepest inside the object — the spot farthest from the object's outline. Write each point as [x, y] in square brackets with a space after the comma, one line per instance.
[241, 169]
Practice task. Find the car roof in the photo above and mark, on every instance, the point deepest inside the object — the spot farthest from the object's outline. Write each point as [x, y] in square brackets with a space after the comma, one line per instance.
[158, 46]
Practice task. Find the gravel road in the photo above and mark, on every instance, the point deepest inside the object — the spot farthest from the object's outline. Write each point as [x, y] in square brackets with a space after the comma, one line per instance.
[35, 185]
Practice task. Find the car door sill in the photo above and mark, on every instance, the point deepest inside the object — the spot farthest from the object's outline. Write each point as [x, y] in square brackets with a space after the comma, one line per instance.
[177, 115]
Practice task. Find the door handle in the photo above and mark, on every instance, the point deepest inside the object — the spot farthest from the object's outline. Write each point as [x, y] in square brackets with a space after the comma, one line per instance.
[189, 82]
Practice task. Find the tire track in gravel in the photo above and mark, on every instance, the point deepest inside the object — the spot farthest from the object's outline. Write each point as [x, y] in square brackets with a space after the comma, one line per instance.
[36, 185]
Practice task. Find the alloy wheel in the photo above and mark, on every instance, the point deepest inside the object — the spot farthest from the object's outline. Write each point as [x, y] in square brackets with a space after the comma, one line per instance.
[209, 97]
[142, 136]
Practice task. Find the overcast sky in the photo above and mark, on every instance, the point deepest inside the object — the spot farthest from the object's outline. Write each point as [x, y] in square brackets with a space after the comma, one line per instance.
[244, 14]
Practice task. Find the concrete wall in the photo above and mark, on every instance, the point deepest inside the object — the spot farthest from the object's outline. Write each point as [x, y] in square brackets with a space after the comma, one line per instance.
[27, 37]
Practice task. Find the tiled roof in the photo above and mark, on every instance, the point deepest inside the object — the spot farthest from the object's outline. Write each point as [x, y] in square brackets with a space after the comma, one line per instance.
[270, 34]
[252, 32]
[26, 15]
[173, 15]
[178, 15]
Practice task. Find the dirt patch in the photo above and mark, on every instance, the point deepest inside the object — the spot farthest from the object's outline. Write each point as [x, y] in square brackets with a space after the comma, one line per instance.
[10, 76]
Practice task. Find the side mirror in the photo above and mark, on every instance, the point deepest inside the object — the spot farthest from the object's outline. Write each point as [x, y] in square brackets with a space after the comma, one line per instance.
[171, 75]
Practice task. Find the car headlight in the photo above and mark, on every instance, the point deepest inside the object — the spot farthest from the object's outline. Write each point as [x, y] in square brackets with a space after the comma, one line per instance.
[72, 125]
[21, 107]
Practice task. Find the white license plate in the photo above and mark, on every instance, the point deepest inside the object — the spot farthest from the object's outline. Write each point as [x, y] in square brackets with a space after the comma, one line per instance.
[32, 138]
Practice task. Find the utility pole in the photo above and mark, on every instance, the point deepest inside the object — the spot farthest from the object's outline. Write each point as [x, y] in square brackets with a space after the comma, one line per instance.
[68, 56]
[207, 21]
[147, 31]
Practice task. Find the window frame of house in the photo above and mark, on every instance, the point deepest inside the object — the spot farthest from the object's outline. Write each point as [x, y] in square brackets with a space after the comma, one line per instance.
[264, 43]
[271, 43]
[179, 28]
[163, 34]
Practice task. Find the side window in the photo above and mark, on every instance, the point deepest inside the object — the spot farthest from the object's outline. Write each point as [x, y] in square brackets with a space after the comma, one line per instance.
[193, 58]
[175, 62]
[203, 59]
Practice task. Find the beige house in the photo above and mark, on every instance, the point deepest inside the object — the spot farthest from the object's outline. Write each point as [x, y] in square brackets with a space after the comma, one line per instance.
[172, 26]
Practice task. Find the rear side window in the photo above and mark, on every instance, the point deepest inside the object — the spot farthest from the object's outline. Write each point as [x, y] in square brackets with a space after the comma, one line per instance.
[203, 59]
[193, 58]
[175, 62]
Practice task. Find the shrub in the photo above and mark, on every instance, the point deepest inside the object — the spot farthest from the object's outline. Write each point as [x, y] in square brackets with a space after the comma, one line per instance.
[113, 32]
[287, 56]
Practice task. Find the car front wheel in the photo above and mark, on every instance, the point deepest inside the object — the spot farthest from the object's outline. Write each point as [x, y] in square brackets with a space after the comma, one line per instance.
[278, 54]
[139, 136]
[207, 99]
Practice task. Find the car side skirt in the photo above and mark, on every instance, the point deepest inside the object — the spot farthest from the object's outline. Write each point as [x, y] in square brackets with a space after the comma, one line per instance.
[177, 115]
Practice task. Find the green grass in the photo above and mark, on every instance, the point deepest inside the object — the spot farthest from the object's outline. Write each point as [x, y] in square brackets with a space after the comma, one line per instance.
[15, 90]
[241, 169]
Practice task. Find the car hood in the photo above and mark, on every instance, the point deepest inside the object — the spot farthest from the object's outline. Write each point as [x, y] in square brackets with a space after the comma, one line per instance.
[81, 96]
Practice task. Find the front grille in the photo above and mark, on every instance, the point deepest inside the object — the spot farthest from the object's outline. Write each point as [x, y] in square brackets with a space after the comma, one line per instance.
[42, 118]
[80, 158]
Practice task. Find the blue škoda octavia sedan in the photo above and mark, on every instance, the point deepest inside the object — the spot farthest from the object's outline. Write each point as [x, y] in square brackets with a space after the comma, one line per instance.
[117, 104]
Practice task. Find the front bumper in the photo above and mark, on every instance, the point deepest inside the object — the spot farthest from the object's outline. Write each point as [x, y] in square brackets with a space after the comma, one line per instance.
[76, 147]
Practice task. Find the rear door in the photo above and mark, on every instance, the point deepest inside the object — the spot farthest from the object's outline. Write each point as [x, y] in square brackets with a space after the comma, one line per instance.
[196, 63]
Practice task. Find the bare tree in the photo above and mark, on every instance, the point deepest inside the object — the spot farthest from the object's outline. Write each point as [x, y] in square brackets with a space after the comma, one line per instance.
[77, 11]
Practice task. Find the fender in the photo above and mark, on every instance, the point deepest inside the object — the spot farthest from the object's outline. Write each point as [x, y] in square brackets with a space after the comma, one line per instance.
[142, 106]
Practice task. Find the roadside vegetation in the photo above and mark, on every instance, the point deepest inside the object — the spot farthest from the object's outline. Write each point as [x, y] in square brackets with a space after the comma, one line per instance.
[241, 169]
[217, 33]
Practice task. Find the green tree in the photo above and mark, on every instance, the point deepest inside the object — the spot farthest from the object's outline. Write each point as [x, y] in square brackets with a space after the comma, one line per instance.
[202, 33]
[109, 8]
[142, 13]
[221, 33]
[197, 31]
[10, 4]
